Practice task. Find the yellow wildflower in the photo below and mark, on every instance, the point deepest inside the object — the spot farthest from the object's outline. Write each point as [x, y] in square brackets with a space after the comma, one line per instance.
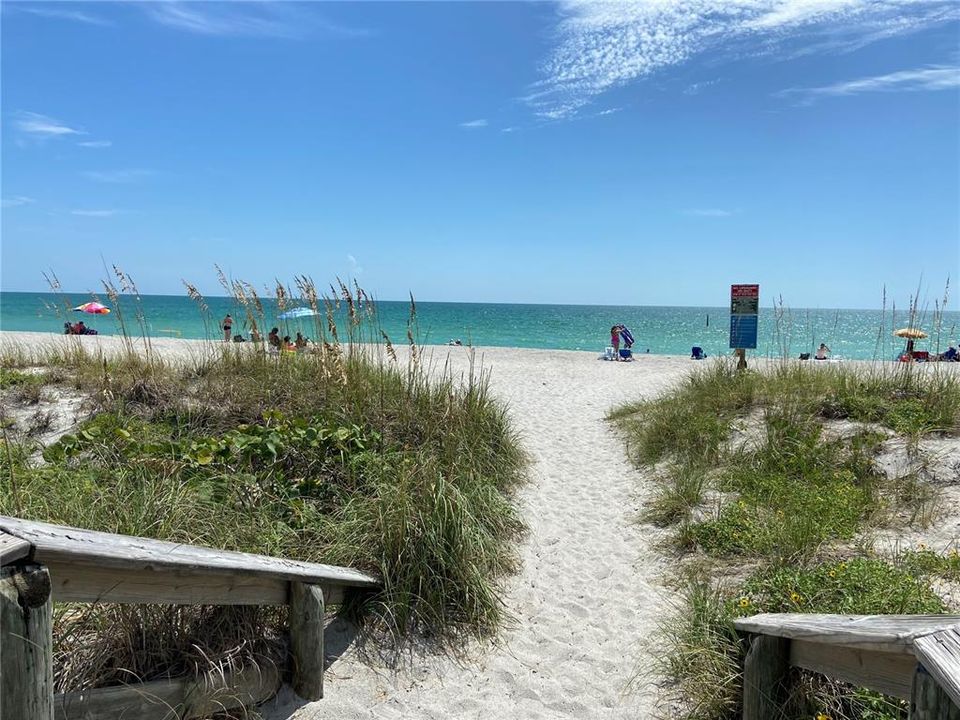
[921, 546]
[744, 602]
[833, 573]
[823, 716]
[796, 597]
[954, 553]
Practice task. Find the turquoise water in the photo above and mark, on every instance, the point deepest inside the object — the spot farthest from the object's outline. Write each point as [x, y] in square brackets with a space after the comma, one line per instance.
[855, 334]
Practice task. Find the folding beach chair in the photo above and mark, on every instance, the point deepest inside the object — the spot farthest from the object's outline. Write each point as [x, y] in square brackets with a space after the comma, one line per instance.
[697, 353]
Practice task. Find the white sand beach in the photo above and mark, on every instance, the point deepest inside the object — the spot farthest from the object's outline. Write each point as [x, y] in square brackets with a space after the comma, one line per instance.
[590, 591]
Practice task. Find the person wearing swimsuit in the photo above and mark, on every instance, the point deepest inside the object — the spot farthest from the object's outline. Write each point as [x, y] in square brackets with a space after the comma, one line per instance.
[227, 325]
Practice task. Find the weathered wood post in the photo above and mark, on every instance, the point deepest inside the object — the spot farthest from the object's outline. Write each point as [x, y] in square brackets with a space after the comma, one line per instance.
[306, 639]
[26, 643]
[929, 701]
[765, 673]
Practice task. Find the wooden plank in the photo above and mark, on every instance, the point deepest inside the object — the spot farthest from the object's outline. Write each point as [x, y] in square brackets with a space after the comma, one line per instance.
[940, 654]
[884, 633]
[306, 640]
[89, 583]
[171, 699]
[886, 672]
[64, 545]
[765, 673]
[12, 549]
[929, 700]
[26, 639]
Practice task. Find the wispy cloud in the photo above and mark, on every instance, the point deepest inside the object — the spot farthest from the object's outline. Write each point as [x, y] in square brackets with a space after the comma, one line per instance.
[935, 77]
[42, 127]
[58, 13]
[603, 45]
[481, 123]
[96, 144]
[117, 176]
[95, 213]
[355, 268]
[16, 201]
[709, 212]
[609, 111]
[695, 88]
[281, 20]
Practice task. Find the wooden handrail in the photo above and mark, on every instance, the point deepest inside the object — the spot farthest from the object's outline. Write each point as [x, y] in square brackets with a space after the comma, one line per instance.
[914, 657]
[40, 563]
[91, 566]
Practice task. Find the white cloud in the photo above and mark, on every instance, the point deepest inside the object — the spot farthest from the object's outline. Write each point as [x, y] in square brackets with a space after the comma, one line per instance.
[96, 144]
[481, 123]
[935, 77]
[282, 20]
[117, 176]
[695, 88]
[709, 212]
[95, 213]
[355, 268]
[41, 127]
[609, 111]
[604, 45]
[60, 14]
[16, 201]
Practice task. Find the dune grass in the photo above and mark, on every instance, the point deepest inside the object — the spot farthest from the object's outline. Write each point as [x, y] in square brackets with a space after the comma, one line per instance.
[769, 502]
[347, 455]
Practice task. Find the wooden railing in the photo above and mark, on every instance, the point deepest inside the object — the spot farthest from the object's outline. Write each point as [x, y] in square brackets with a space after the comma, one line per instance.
[42, 563]
[913, 657]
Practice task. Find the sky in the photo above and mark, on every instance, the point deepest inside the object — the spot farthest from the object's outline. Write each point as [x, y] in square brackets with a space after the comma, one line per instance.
[641, 153]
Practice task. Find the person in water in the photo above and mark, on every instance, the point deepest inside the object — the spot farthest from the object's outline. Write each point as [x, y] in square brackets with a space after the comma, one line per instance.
[822, 352]
[227, 326]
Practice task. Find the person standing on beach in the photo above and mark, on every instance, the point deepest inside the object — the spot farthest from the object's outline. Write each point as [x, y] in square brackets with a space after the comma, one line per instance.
[227, 326]
[615, 341]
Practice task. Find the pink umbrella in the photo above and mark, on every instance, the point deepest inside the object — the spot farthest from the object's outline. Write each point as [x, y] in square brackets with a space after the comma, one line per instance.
[94, 308]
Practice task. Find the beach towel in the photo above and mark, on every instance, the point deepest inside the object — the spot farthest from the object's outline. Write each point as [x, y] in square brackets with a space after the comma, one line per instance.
[626, 335]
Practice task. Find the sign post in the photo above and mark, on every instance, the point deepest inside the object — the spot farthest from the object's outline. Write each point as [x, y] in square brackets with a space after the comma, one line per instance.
[744, 314]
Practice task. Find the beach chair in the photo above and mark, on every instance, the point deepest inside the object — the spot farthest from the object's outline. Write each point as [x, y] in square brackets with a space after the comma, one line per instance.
[609, 354]
[804, 356]
[697, 353]
[921, 355]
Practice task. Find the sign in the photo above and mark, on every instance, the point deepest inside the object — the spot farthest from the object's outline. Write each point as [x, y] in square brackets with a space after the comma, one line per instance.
[744, 315]
[743, 331]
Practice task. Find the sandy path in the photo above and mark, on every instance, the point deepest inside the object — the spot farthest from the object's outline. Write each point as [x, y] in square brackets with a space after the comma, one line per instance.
[588, 594]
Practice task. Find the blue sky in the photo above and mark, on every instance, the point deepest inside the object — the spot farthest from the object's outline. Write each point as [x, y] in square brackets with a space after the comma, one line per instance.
[629, 153]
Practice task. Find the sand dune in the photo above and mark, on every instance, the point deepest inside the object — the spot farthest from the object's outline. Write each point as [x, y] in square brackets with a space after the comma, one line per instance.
[588, 594]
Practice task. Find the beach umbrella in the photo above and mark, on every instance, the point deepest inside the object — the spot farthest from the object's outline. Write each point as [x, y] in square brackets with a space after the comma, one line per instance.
[297, 313]
[93, 308]
[910, 334]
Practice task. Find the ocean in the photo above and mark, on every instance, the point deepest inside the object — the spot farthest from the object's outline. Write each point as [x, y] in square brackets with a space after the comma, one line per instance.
[853, 334]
